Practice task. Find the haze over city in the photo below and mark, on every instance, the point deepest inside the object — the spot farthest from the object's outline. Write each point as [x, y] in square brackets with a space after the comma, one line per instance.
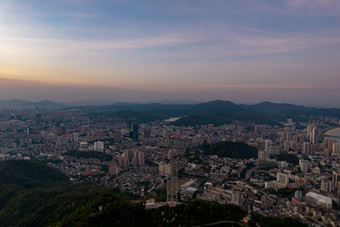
[170, 113]
[138, 51]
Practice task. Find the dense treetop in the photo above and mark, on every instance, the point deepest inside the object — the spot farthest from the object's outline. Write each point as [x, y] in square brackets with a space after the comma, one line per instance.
[34, 194]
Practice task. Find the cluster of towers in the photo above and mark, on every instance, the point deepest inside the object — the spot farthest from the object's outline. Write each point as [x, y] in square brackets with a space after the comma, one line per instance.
[135, 158]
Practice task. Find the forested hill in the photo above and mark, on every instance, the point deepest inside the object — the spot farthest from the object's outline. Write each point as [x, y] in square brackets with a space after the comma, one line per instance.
[223, 149]
[214, 112]
[28, 174]
[33, 194]
[228, 149]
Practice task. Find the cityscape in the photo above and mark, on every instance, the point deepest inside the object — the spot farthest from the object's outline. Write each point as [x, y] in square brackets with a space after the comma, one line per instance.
[287, 169]
[170, 113]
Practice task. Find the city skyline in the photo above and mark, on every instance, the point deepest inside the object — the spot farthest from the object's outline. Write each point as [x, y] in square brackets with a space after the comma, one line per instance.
[244, 51]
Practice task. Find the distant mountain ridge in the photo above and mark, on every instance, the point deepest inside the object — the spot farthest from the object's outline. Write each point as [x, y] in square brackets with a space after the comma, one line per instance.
[269, 107]
[266, 106]
[216, 106]
[216, 112]
[212, 107]
[25, 103]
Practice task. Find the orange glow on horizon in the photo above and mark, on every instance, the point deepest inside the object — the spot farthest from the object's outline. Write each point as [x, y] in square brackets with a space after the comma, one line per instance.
[263, 86]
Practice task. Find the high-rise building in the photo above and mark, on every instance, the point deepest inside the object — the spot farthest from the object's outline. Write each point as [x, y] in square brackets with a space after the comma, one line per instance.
[268, 146]
[128, 154]
[135, 132]
[298, 195]
[171, 154]
[336, 149]
[286, 145]
[313, 136]
[326, 186]
[309, 129]
[74, 137]
[263, 155]
[290, 121]
[236, 197]
[168, 169]
[123, 162]
[161, 167]
[261, 129]
[98, 146]
[134, 162]
[275, 150]
[129, 123]
[117, 136]
[282, 180]
[306, 148]
[147, 133]
[336, 179]
[113, 170]
[138, 158]
[303, 165]
[38, 119]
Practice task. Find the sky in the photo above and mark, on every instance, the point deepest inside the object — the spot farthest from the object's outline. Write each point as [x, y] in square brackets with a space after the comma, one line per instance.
[245, 51]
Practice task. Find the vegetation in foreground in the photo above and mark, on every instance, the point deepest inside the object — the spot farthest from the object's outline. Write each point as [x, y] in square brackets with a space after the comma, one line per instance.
[34, 194]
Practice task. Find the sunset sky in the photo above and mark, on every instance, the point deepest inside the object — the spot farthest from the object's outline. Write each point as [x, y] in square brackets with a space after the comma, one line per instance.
[245, 51]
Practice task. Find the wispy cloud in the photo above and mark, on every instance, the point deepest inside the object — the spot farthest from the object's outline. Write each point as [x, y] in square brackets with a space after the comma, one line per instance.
[316, 6]
[271, 45]
[245, 44]
[55, 46]
[245, 40]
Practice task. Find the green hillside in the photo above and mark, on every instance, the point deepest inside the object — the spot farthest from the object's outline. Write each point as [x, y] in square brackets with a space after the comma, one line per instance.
[34, 194]
[230, 149]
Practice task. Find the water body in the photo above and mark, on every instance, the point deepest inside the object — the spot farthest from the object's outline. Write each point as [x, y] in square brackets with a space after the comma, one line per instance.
[333, 134]
[173, 119]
